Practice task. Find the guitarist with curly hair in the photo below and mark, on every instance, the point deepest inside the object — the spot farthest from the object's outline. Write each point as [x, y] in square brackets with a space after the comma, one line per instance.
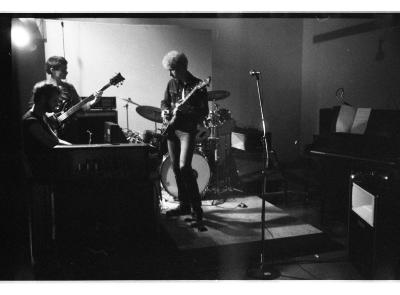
[182, 120]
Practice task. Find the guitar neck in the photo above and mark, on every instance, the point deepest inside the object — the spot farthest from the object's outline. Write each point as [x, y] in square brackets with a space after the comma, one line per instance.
[188, 95]
[78, 106]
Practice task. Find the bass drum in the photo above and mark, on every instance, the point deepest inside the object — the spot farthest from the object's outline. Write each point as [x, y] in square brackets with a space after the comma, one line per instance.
[200, 168]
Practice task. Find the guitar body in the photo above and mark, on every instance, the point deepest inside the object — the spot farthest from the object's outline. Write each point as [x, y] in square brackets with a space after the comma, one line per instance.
[53, 122]
[170, 124]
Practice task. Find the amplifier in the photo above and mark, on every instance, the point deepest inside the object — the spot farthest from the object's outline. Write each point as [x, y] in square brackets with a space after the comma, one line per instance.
[249, 139]
[90, 125]
[374, 232]
[113, 133]
[103, 195]
[101, 162]
[105, 103]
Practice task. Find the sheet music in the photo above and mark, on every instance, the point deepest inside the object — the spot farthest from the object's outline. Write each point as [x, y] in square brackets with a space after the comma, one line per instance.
[345, 118]
[360, 121]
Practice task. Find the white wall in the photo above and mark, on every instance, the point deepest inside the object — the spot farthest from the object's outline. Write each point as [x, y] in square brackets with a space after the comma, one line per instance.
[271, 45]
[97, 51]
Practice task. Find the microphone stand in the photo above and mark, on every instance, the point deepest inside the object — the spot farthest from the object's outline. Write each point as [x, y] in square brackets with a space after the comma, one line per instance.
[266, 272]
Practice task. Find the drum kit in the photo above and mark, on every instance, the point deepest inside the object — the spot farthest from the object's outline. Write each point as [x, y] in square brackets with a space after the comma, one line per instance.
[205, 157]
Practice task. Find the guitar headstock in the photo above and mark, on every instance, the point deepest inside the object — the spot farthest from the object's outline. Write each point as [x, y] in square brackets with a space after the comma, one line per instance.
[117, 80]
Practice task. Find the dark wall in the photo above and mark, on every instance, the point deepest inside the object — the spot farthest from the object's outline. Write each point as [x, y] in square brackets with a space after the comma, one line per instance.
[362, 58]
[12, 222]
[30, 69]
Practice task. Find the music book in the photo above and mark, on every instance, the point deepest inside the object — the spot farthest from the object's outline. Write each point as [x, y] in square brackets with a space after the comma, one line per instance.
[352, 120]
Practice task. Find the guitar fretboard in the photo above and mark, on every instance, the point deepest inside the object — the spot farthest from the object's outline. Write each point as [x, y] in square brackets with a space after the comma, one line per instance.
[78, 106]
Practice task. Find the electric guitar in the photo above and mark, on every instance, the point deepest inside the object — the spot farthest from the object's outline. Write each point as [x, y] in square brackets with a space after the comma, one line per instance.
[169, 124]
[57, 120]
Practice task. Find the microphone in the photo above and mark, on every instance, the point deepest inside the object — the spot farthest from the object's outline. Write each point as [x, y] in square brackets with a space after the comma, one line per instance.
[254, 73]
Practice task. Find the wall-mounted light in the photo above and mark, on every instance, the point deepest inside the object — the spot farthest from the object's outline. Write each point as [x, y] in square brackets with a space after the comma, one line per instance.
[25, 33]
[20, 36]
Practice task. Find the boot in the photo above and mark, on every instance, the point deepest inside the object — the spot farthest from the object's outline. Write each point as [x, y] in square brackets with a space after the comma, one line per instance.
[178, 211]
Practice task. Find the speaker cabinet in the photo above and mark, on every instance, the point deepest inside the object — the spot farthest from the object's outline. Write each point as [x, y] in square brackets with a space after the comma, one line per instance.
[104, 194]
[113, 133]
[374, 225]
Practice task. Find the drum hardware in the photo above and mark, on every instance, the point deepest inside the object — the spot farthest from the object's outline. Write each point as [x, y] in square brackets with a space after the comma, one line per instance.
[134, 137]
[217, 95]
[224, 168]
[129, 100]
[90, 136]
[131, 135]
[217, 116]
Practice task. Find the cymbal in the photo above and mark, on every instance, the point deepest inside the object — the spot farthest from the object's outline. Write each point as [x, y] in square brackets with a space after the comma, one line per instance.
[150, 113]
[128, 100]
[218, 94]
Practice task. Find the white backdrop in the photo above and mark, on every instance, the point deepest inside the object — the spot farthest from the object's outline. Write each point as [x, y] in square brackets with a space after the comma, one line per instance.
[96, 52]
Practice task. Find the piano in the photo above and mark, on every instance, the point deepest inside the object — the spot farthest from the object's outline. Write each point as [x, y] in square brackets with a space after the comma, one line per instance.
[340, 155]
[360, 181]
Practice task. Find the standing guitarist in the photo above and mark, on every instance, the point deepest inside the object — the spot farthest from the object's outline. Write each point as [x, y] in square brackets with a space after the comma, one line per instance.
[56, 67]
[181, 137]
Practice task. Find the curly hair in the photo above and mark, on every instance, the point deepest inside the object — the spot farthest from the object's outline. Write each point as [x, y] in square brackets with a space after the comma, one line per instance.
[44, 90]
[174, 59]
[55, 62]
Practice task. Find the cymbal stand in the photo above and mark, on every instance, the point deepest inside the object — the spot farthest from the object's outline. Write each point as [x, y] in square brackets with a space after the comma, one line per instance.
[263, 271]
[129, 133]
[221, 173]
[126, 106]
[214, 139]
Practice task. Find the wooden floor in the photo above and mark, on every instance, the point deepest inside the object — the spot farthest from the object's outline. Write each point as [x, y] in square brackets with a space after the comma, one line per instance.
[236, 220]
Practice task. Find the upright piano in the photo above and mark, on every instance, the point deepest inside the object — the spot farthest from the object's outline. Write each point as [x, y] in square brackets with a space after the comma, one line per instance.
[360, 177]
[379, 144]
[343, 154]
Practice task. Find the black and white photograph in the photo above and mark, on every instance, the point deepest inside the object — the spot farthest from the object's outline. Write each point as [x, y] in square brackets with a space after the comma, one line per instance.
[200, 146]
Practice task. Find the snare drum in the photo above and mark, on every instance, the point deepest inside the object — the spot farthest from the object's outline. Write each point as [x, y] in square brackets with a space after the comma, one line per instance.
[200, 168]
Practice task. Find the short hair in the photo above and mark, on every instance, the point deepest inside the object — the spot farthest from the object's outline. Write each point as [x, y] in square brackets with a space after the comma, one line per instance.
[174, 59]
[55, 62]
[44, 90]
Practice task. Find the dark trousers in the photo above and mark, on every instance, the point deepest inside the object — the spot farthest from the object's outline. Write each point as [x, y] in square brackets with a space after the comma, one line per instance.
[181, 148]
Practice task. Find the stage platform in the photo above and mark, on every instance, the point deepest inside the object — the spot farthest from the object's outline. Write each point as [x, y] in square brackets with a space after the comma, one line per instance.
[234, 221]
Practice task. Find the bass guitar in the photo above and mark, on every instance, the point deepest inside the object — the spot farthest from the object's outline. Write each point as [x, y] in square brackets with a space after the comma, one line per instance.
[57, 120]
[169, 124]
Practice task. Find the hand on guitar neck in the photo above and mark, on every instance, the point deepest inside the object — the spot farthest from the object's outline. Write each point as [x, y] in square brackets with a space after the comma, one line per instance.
[96, 98]
[57, 120]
